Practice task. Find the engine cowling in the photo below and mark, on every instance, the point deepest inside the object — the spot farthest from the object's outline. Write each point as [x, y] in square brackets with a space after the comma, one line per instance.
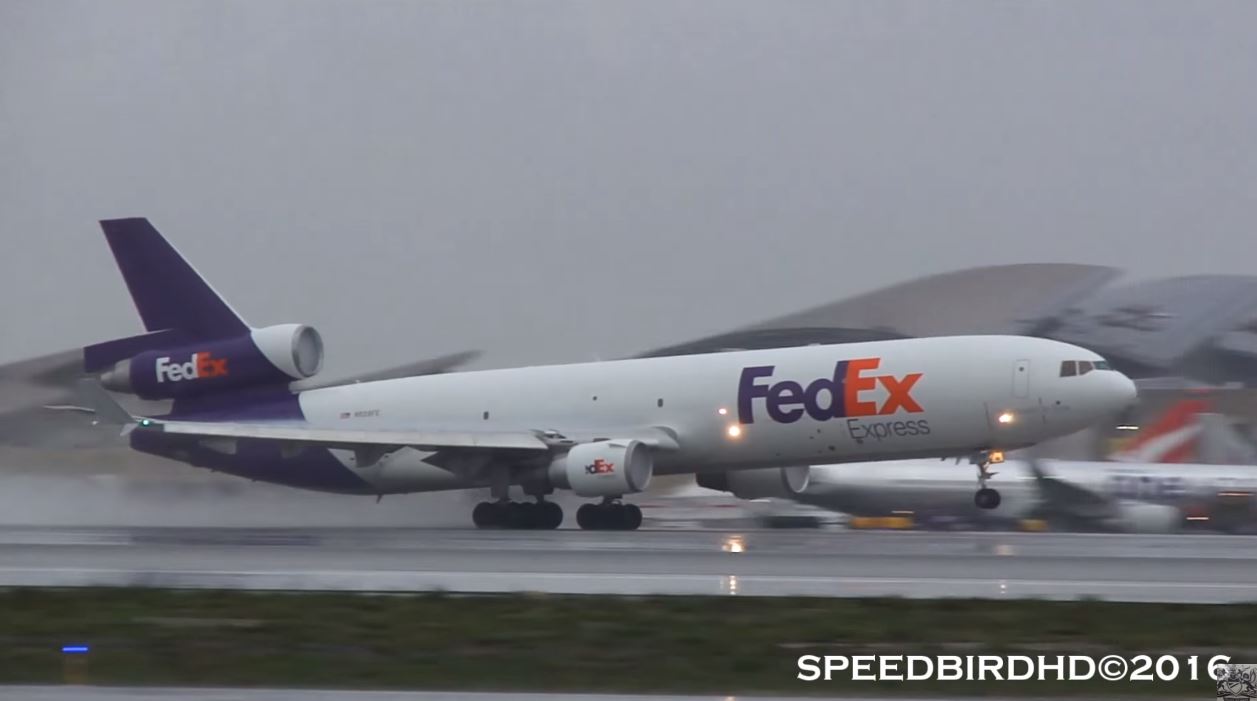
[1142, 517]
[273, 355]
[603, 469]
[778, 482]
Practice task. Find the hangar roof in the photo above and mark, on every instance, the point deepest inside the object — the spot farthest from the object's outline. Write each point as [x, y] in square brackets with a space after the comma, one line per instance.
[1159, 323]
[1199, 326]
[993, 299]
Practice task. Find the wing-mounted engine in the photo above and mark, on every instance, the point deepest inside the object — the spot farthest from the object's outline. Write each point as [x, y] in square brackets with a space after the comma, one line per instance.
[274, 355]
[1143, 517]
[603, 469]
[768, 482]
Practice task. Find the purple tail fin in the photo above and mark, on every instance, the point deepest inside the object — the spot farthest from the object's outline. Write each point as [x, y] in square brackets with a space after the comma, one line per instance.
[174, 301]
[168, 292]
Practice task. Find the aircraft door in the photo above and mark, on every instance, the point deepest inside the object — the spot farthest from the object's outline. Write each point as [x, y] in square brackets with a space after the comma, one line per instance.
[1021, 378]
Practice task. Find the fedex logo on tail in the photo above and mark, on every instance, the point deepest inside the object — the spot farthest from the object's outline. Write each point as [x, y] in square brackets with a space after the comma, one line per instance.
[202, 365]
[849, 393]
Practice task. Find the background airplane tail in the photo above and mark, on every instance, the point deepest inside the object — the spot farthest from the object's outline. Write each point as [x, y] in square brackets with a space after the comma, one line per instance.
[1170, 438]
[1220, 443]
[1189, 432]
[175, 303]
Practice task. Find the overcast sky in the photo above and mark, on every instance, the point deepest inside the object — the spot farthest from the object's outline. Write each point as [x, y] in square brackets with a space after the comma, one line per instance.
[559, 181]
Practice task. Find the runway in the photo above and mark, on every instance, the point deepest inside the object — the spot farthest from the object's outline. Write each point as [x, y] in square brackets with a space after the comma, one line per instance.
[1159, 568]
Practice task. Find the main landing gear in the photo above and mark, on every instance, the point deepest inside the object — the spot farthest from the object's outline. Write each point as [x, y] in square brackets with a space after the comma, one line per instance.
[986, 497]
[611, 515]
[519, 515]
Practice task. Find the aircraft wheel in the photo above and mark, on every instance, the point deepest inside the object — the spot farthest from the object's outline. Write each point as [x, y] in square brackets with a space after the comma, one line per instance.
[611, 516]
[986, 498]
[550, 515]
[520, 515]
[632, 517]
[485, 515]
[587, 517]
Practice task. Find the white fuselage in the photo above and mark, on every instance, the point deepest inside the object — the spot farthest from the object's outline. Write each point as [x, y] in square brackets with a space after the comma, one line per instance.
[921, 487]
[740, 410]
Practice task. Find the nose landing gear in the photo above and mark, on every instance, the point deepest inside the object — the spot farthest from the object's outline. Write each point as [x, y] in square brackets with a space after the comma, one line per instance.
[986, 497]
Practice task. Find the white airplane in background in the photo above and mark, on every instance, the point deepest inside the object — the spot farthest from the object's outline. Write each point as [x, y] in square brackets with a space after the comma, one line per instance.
[599, 429]
[1148, 488]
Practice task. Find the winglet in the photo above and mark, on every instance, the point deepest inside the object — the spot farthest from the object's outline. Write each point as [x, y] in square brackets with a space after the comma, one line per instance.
[106, 407]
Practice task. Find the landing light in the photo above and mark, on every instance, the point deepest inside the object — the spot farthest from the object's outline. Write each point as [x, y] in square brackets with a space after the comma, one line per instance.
[1006, 417]
[722, 411]
[996, 457]
[734, 431]
[734, 544]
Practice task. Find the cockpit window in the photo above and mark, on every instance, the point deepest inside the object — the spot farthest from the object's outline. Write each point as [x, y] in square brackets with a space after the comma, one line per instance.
[1071, 368]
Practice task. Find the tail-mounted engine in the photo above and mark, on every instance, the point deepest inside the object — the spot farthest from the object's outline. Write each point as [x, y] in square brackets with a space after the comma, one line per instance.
[274, 355]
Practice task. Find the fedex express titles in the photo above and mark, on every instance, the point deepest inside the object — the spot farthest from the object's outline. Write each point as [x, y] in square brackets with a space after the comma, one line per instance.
[843, 396]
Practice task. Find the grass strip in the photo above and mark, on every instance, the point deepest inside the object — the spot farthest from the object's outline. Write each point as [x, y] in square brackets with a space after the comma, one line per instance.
[578, 643]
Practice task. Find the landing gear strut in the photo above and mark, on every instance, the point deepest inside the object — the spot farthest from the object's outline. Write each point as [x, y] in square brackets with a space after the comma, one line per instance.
[611, 515]
[519, 515]
[986, 497]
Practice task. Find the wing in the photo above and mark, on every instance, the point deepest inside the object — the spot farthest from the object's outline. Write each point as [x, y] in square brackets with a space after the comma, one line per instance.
[351, 438]
[1067, 499]
[541, 441]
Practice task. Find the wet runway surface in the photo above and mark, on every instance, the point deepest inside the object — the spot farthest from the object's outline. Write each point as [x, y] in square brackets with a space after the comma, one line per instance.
[1195, 568]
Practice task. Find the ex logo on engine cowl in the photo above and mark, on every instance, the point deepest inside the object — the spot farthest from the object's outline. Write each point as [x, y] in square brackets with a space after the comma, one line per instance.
[600, 467]
[842, 396]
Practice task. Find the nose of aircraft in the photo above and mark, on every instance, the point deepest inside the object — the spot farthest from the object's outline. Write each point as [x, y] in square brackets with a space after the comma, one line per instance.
[1121, 391]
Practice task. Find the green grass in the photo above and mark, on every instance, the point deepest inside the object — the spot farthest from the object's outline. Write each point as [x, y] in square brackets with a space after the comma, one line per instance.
[541, 642]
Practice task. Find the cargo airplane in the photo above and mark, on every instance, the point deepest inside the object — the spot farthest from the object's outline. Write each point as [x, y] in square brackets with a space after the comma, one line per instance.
[599, 429]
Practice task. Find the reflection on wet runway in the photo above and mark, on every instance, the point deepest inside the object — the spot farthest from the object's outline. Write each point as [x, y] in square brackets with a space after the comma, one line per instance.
[744, 563]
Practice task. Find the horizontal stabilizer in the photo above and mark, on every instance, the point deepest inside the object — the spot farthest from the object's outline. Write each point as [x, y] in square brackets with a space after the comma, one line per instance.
[107, 409]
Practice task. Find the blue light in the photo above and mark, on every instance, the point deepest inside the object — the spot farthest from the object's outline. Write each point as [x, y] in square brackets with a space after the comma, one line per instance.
[75, 649]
